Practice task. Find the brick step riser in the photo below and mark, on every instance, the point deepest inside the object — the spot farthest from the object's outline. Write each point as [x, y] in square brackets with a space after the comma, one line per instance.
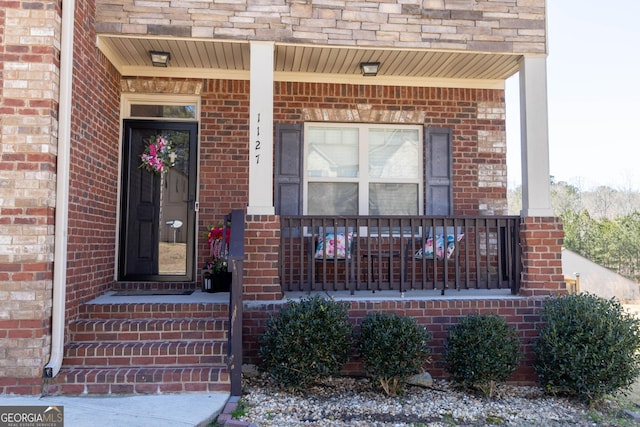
[80, 381]
[137, 388]
[154, 311]
[148, 330]
[150, 336]
[145, 354]
[147, 361]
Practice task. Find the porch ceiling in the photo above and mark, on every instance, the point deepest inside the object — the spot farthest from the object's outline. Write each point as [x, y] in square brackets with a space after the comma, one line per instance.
[230, 59]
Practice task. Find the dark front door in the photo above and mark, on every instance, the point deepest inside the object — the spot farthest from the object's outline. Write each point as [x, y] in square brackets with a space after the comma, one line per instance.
[157, 232]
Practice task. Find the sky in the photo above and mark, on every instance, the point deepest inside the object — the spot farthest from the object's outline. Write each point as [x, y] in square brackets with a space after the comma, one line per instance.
[593, 89]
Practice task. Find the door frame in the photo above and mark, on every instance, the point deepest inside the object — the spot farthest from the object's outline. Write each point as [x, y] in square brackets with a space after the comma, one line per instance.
[191, 254]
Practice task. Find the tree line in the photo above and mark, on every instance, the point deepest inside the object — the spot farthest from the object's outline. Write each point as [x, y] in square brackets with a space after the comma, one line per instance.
[602, 224]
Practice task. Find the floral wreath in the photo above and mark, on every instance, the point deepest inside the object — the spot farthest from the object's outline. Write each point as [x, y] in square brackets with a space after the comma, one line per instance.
[158, 156]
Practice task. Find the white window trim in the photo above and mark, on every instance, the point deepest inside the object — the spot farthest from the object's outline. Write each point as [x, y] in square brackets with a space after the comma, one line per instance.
[130, 99]
[363, 197]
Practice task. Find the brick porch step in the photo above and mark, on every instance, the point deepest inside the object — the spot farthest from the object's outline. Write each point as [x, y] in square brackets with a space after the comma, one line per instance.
[145, 347]
[147, 310]
[133, 353]
[108, 330]
[138, 380]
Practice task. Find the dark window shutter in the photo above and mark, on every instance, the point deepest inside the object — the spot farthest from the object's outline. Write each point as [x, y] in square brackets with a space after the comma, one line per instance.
[288, 173]
[438, 171]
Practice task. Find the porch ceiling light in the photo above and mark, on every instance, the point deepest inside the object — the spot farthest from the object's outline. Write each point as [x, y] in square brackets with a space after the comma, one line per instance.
[159, 59]
[369, 68]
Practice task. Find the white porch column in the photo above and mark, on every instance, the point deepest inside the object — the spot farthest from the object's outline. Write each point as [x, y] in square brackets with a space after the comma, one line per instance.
[534, 138]
[261, 132]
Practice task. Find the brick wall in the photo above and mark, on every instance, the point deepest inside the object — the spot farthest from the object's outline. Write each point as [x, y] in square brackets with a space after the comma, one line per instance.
[224, 171]
[437, 316]
[95, 150]
[542, 276]
[28, 150]
[261, 279]
[472, 25]
[541, 241]
[27, 193]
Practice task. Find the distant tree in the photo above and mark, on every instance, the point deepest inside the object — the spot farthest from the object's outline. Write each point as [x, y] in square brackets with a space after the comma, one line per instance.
[514, 199]
[602, 224]
[606, 251]
[579, 230]
[630, 246]
[565, 198]
[611, 243]
[603, 201]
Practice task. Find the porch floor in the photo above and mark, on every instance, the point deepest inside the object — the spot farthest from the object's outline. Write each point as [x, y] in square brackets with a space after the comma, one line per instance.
[223, 297]
[196, 297]
[409, 294]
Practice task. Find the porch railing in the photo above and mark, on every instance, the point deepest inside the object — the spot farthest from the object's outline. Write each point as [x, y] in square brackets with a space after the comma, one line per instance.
[356, 253]
[235, 257]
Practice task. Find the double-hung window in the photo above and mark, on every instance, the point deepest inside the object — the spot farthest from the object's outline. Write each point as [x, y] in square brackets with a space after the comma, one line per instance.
[363, 169]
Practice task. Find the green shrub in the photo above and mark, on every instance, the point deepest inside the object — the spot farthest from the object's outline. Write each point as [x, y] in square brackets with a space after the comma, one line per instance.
[587, 348]
[308, 340]
[393, 348]
[481, 351]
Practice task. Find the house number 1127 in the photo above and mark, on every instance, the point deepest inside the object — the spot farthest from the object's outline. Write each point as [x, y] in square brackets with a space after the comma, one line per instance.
[257, 146]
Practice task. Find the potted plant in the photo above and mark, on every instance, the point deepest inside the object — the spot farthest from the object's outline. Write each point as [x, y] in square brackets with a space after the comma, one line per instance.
[215, 275]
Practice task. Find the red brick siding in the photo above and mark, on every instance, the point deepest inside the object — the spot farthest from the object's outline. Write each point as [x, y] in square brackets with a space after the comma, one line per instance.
[262, 241]
[224, 171]
[95, 149]
[437, 316]
[542, 256]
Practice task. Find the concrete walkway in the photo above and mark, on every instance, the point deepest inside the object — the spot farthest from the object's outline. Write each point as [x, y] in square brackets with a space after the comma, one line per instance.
[170, 410]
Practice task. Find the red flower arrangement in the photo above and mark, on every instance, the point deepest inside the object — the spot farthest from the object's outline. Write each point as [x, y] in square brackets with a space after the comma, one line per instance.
[215, 234]
[217, 248]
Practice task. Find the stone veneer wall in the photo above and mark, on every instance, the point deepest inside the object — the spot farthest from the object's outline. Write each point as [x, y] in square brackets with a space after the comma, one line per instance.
[28, 156]
[511, 26]
[28, 106]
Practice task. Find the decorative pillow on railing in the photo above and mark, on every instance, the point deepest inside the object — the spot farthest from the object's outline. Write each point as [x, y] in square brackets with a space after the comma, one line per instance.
[428, 246]
[336, 246]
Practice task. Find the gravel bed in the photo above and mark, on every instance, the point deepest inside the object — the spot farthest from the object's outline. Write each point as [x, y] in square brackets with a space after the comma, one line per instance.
[348, 401]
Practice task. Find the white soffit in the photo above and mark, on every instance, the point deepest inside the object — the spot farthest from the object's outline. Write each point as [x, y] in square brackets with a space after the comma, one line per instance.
[222, 59]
